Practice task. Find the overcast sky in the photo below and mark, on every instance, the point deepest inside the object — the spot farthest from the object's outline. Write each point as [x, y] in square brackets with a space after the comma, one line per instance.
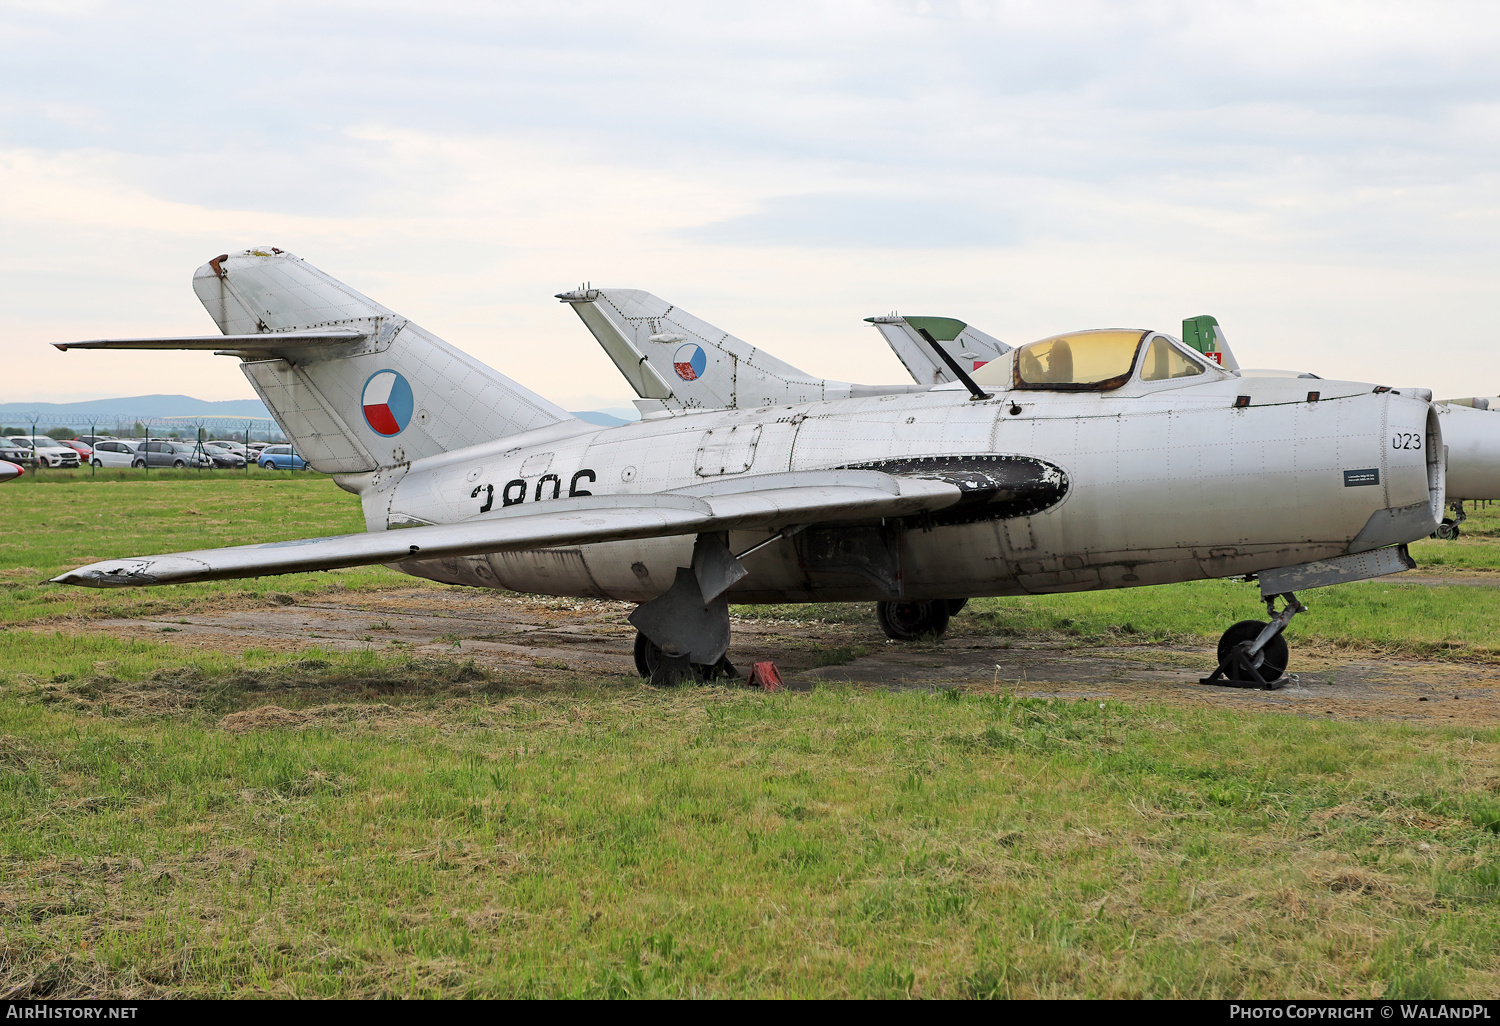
[1320, 176]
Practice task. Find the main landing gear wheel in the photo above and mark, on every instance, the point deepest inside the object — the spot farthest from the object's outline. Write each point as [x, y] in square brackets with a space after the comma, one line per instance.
[1253, 653]
[910, 621]
[659, 668]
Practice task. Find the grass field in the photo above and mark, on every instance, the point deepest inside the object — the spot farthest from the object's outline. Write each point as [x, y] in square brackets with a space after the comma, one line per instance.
[182, 822]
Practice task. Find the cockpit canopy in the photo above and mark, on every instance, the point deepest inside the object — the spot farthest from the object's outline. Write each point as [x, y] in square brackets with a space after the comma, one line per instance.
[1090, 361]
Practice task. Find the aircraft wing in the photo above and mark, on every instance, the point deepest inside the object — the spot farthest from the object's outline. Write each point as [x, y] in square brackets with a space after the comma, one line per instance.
[265, 340]
[771, 502]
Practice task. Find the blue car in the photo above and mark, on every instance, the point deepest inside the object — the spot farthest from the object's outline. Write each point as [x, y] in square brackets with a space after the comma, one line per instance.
[281, 457]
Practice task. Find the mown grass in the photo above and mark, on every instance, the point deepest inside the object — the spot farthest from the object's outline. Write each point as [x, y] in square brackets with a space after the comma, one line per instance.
[416, 829]
[55, 520]
[178, 821]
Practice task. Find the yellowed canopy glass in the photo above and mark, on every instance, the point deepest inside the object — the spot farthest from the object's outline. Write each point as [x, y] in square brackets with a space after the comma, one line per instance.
[1164, 360]
[1081, 361]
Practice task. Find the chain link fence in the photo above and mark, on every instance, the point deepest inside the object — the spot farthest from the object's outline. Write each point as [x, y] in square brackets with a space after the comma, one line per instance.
[179, 440]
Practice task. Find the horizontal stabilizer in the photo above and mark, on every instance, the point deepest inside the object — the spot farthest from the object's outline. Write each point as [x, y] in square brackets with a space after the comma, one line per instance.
[261, 341]
[782, 501]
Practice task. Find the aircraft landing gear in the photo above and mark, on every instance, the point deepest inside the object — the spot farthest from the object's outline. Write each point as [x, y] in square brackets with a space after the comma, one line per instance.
[665, 671]
[1252, 653]
[909, 621]
[1448, 529]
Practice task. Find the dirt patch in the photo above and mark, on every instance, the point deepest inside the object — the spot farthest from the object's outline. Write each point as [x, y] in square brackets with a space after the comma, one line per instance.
[536, 639]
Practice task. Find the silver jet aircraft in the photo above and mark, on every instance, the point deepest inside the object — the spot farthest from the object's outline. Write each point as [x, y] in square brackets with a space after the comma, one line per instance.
[1063, 465]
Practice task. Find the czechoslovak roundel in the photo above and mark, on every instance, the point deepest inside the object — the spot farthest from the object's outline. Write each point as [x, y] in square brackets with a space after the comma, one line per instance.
[387, 402]
[689, 362]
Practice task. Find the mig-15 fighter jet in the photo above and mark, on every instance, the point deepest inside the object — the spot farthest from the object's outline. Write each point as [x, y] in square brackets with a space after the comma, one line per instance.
[1063, 465]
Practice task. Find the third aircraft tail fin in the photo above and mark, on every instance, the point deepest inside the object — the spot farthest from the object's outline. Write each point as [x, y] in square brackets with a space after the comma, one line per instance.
[911, 339]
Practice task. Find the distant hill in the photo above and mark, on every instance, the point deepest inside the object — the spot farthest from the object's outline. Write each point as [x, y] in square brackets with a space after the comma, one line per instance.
[134, 407]
[105, 412]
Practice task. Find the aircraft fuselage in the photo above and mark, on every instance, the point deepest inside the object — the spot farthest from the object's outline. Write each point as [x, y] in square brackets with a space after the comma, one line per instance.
[1171, 485]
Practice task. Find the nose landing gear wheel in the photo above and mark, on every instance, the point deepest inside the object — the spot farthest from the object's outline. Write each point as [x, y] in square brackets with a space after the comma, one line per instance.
[1274, 656]
[909, 621]
[1253, 653]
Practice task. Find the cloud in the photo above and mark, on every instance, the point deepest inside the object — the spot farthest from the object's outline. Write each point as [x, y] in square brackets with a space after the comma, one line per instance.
[860, 221]
[1321, 175]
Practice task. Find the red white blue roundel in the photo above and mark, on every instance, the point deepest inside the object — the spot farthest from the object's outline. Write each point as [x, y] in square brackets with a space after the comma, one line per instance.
[689, 362]
[388, 403]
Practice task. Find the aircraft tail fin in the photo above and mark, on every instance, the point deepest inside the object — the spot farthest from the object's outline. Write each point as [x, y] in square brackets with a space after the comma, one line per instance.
[1204, 334]
[675, 359]
[969, 346]
[353, 384]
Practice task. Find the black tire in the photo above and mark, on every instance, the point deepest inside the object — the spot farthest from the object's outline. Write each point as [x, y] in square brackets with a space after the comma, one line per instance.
[648, 659]
[138, 464]
[179, 465]
[911, 621]
[268, 465]
[1276, 654]
[98, 463]
[645, 655]
[1447, 530]
[955, 605]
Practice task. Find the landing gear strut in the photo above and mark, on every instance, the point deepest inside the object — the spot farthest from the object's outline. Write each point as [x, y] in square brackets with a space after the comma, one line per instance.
[909, 621]
[664, 671]
[1252, 653]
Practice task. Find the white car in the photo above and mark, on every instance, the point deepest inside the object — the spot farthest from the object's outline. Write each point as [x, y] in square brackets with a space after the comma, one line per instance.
[49, 452]
[115, 452]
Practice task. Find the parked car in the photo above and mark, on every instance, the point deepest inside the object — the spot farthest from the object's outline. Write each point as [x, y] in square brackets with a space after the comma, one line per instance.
[13, 453]
[89, 440]
[83, 449]
[47, 452]
[161, 453]
[115, 452]
[280, 457]
[238, 448]
[222, 457]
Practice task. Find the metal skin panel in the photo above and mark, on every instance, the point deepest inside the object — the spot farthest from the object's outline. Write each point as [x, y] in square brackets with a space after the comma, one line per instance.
[323, 438]
[1339, 570]
[1473, 440]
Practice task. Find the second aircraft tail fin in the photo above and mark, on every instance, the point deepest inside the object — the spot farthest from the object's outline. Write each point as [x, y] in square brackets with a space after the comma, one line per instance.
[675, 359]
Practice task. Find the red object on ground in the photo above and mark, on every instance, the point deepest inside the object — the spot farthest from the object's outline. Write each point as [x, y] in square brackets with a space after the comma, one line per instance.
[766, 677]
